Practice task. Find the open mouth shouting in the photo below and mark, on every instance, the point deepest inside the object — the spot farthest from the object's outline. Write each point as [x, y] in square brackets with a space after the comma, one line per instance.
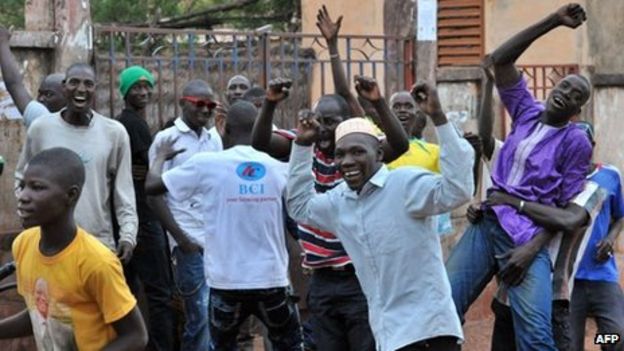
[80, 101]
[559, 103]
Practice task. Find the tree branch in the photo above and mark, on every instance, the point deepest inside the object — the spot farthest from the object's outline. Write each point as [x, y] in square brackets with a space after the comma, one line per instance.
[204, 13]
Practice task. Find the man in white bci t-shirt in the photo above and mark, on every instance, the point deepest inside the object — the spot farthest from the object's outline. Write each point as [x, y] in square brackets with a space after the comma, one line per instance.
[246, 262]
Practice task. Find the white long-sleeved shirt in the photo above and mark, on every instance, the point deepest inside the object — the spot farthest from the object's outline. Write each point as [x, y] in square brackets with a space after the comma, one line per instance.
[388, 231]
[104, 147]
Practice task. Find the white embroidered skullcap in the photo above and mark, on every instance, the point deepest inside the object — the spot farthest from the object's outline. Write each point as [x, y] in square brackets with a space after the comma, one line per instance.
[356, 125]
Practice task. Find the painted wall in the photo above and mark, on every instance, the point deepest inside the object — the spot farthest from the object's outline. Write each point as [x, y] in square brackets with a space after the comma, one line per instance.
[605, 28]
[361, 17]
[503, 18]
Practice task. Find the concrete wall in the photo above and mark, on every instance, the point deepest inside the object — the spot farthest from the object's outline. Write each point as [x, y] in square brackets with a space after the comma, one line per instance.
[504, 18]
[605, 28]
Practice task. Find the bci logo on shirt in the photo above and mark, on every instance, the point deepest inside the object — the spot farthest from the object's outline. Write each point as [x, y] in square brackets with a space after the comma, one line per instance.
[251, 171]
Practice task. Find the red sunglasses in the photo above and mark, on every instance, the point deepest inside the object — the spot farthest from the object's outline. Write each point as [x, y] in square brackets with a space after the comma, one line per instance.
[200, 103]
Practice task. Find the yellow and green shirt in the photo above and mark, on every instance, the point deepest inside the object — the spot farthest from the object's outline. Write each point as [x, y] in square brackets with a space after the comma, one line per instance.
[421, 154]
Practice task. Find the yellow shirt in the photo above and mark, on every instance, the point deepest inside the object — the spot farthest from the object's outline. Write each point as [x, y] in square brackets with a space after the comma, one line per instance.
[74, 296]
[421, 154]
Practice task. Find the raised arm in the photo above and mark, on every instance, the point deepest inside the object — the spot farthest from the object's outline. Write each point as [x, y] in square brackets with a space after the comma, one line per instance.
[330, 30]
[11, 74]
[505, 56]
[262, 137]
[486, 117]
[396, 142]
[428, 193]
[304, 205]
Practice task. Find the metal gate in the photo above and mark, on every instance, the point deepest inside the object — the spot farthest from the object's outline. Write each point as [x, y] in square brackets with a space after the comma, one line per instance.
[541, 79]
[176, 56]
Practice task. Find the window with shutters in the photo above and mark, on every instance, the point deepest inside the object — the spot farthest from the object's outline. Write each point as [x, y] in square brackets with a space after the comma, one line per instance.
[460, 32]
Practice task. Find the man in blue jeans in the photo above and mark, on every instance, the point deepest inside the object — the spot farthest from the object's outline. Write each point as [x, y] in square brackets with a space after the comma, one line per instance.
[544, 159]
[183, 218]
[595, 291]
[246, 262]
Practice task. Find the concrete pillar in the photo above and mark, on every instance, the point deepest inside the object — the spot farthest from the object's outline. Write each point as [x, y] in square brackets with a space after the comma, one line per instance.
[426, 36]
[72, 19]
[398, 22]
[39, 15]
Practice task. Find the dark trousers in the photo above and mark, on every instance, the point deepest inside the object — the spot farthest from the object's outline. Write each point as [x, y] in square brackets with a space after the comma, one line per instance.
[442, 343]
[339, 312]
[605, 302]
[149, 267]
[503, 336]
[228, 309]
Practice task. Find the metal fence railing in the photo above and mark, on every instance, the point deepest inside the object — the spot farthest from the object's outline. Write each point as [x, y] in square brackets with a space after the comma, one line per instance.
[541, 79]
[176, 56]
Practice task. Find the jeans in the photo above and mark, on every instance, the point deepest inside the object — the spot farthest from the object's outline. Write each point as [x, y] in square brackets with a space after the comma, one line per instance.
[339, 312]
[274, 307]
[150, 268]
[602, 300]
[191, 284]
[473, 263]
[441, 343]
[503, 335]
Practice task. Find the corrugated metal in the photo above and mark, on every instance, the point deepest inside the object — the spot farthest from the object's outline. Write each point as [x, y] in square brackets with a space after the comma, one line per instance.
[460, 32]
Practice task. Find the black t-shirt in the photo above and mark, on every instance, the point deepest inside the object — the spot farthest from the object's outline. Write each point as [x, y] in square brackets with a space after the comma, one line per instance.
[140, 141]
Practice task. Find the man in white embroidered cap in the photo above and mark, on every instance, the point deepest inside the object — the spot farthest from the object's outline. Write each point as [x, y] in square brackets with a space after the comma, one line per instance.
[384, 220]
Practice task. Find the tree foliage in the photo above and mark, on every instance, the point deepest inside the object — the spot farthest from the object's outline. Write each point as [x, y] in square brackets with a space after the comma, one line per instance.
[279, 13]
[12, 13]
[132, 11]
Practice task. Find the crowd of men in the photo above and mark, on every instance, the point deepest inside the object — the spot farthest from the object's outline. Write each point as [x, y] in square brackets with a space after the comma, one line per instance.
[107, 208]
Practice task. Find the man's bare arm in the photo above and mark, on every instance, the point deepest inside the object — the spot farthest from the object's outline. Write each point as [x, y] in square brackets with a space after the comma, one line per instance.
[505, 56]
[330, 31]
[552, 218]
[262, 136]
[16, 326]
[131, 333]
[11, 74]
[396, 142]
[486, 117]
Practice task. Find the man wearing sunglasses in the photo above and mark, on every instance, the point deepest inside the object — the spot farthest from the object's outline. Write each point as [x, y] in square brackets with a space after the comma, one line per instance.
[183, 218]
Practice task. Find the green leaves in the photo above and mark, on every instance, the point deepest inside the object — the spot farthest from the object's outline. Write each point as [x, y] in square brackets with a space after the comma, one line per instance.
[12, 13]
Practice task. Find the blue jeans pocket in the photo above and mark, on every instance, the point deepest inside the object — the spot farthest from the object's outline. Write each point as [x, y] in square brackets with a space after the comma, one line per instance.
[190, 272]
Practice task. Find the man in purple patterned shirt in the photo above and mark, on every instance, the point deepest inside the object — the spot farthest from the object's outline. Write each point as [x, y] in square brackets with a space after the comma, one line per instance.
[544, 159]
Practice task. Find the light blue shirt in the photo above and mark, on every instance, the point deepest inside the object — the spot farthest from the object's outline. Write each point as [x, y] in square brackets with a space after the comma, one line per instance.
[390, 234]
[34, 110]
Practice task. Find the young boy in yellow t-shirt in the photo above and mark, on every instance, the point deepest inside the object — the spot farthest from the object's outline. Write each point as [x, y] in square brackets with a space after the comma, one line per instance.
[75, 292]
